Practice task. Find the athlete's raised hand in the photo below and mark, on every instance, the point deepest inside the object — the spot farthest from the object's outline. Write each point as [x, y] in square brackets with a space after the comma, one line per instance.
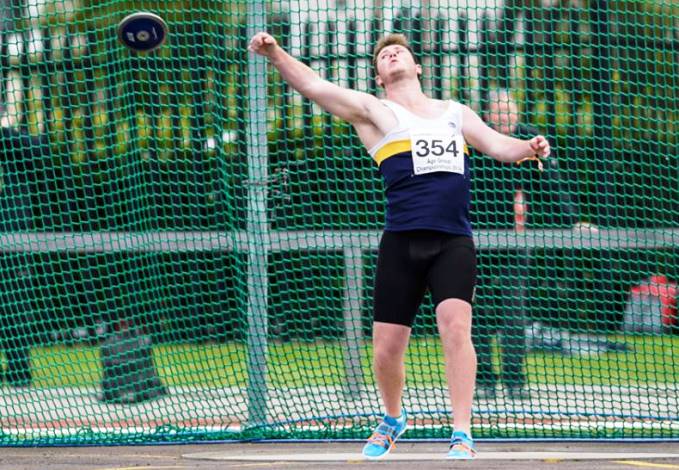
[263, 43]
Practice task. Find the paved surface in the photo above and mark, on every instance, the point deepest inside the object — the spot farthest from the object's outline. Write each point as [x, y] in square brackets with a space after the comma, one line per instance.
[172, 457]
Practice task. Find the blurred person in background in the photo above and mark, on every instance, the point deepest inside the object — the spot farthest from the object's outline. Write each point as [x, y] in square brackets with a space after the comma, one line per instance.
[505, 197]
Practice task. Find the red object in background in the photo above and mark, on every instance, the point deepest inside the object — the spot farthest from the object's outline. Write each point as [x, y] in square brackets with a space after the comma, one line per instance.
[666, 291]
[520, 211]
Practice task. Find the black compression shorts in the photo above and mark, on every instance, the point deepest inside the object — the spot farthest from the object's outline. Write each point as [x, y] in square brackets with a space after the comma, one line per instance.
[410, 262]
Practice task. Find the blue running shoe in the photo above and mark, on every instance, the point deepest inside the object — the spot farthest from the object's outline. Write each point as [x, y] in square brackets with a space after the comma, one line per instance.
[384, 436]
[461, 447]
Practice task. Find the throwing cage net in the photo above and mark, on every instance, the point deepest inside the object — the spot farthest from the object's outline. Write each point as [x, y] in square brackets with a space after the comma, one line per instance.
[188, 246]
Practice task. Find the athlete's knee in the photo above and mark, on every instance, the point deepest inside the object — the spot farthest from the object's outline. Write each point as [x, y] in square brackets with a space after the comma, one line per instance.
[454, 321]
[456, 338]
[386, 352]
[389, 344]
[383, 359]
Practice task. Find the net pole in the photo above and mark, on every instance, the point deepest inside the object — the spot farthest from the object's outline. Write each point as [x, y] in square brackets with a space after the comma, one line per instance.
[353, 290]
[257, 223]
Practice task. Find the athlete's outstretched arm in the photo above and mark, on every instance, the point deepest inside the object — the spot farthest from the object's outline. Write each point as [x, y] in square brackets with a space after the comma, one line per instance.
[499, 146]
[350, 105]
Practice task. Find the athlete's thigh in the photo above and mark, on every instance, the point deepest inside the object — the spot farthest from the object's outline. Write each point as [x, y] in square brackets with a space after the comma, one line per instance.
[399, 283]
[452, 274]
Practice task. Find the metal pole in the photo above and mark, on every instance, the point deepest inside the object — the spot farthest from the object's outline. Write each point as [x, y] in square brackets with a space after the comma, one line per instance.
[602, 108]
[353, 327]
[257, 223]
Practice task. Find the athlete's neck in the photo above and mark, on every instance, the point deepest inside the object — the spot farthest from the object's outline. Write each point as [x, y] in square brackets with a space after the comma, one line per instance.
[407, 93]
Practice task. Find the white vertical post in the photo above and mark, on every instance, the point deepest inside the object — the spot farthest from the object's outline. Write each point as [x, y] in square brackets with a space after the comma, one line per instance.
[353, 329]
[257, 223]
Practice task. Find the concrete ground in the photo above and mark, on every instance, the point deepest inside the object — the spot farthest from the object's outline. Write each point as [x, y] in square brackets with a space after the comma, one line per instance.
[426, 456]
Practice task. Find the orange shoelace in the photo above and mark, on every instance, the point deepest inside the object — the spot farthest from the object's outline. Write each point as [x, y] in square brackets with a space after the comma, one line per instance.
[536, 158]
[381, 439]
[462, 447]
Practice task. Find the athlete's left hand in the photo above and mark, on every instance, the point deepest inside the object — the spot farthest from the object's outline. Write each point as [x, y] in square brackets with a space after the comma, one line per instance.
[541, 149]
[540, 145]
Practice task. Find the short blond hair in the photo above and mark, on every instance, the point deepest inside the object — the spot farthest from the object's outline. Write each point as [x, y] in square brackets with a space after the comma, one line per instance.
[390, 40]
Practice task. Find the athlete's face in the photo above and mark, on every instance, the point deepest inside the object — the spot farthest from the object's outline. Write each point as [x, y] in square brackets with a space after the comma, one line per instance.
[503, 117]
[394, 62]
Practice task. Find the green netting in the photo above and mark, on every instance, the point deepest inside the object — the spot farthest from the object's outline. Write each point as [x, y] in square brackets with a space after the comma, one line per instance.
[188, 247]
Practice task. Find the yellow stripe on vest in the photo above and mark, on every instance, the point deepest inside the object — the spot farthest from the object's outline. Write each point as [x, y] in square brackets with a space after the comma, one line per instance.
[391, 149]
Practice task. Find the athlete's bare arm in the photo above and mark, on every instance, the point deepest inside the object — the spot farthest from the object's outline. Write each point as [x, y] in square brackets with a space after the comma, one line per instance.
[369, 116]
[500, 146]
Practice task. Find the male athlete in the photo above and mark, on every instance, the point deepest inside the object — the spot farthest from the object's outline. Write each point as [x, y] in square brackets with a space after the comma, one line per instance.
[419, 144]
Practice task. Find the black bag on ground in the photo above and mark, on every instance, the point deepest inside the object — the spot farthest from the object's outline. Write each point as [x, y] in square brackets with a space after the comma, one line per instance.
[129, 374]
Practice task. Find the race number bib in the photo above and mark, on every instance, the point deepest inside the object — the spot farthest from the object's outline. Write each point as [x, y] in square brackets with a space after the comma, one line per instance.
[436, 150]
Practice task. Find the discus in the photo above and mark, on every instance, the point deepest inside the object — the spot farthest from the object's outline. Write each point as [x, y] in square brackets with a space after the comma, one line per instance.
[142, 31]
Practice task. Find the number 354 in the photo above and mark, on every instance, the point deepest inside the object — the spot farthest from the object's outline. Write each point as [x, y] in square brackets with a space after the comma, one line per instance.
[436, 147]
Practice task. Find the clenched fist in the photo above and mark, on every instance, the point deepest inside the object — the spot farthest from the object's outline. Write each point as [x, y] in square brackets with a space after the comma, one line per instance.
[263, 43]
[540, 146]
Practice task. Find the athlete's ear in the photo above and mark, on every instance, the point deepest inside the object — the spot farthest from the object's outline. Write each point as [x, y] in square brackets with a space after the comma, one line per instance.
[418, 69]
[379, 81]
